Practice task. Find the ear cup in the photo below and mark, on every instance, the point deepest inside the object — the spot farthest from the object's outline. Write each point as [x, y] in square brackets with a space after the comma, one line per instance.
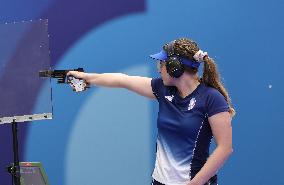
[174, 67]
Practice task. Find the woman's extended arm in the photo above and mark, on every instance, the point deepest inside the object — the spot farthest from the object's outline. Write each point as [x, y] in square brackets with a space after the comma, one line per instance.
[138, 84]
[222, 130]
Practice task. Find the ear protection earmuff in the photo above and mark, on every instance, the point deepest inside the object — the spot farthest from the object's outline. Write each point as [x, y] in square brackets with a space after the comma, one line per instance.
[174, 66]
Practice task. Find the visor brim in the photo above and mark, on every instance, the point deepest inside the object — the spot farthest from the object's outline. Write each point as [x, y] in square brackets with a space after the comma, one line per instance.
[162, 55]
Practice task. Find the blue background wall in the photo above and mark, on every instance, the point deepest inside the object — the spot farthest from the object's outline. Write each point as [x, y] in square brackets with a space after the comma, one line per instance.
[107, 136]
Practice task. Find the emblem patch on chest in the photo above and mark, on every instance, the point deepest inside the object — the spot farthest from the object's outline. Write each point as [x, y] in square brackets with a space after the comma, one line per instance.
[191, 103]
[170, 98]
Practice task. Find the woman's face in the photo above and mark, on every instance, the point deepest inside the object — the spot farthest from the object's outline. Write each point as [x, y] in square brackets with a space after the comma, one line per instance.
[167, 79]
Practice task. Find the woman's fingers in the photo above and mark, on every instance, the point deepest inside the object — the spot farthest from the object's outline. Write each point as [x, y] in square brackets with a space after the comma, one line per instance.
[71, 73]
[76, 74]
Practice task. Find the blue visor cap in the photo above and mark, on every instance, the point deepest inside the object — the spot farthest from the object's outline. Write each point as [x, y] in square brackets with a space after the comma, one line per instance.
[163, 56]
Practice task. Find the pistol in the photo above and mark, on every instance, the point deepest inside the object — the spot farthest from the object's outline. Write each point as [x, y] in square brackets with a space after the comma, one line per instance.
[61, 76]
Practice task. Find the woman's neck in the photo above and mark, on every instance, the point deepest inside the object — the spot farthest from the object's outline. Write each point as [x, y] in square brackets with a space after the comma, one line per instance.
[186, 86]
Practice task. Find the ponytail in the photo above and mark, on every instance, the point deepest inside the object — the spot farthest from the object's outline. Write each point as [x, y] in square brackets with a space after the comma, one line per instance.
[211, 78]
